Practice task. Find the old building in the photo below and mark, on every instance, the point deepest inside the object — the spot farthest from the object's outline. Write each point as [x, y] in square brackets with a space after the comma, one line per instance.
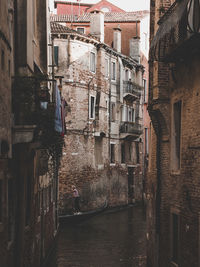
[77, 9]
[134, 29]
[28, 159]
[6, 70]
[103, 89]
[173, 175]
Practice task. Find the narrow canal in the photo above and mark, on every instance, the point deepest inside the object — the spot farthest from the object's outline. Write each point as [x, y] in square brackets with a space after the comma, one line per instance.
[110, 239]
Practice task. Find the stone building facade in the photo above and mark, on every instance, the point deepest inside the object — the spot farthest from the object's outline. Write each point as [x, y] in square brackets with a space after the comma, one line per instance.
[103, 145]
[28, 171]
[134, 29]
[173, 180]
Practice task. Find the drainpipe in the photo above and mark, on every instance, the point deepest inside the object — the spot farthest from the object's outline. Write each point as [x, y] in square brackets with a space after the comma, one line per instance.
[53, 72]
[68, 51]
[109, 108]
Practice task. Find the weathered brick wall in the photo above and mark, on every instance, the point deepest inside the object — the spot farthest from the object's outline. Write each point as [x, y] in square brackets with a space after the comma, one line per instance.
[6, 64]
[6, 70]
[82, 163]
[178, 190]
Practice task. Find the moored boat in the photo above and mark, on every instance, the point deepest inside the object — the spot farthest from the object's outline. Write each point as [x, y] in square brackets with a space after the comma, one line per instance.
[82, 216]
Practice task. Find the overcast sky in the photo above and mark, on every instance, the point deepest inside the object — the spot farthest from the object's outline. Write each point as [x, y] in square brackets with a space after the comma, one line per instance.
[128, 5]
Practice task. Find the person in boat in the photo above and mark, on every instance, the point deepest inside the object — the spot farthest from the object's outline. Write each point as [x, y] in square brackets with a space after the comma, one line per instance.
[76, 197]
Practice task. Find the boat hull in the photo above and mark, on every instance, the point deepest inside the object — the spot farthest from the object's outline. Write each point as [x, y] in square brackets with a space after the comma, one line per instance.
[78, 218]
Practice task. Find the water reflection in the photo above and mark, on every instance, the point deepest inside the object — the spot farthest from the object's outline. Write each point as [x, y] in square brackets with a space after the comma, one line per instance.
[113, 239]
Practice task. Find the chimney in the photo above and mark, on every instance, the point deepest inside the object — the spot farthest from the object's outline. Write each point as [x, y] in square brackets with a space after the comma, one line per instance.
[97, 24]
[117, 39]
[135, 48]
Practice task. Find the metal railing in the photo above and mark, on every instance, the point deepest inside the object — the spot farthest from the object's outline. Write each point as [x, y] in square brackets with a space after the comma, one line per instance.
[178, 25]
[132, 88]
[131, 128]
[27, 95]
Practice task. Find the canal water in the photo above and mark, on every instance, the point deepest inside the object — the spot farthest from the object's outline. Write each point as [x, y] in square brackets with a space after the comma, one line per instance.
[110, 239]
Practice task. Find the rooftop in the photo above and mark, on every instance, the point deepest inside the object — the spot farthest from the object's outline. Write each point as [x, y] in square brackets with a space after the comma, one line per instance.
[109, 17]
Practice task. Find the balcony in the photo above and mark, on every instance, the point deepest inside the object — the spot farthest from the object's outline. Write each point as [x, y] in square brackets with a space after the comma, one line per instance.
[178, 32]
[132, 91]
[130, 130]
[27, 95]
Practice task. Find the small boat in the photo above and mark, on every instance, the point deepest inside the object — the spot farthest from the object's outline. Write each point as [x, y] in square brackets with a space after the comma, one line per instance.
[81, 216]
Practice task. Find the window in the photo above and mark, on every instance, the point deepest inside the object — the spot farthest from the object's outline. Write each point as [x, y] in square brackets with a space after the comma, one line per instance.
[113, 111]
[92, 62]
[146, 141]
[113, 71]
[112, 153]
[129, 151]
[98, 150]
[123, 153]
[56, 48]
[145, 90]
[176, 136]
[130, 114]
[137, 152]
[2, 59]
[126, 75]
[1, 200]
[106, 67]
[92, 107]
[175, 237]
[105, 9]
[80, 30]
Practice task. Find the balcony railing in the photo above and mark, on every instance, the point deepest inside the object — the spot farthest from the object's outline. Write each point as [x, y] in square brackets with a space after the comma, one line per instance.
[132, 90]
[131, 128]
[28, 93]
[178, 31]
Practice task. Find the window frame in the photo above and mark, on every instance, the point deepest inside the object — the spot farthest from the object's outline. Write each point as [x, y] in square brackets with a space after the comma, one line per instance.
[90, 107]
[175, 163]
[113, 70]
[91, 65]
[130, 111]
[113, 111]
[146, 138]
[112, 153]
[144, 81]
[123, 153]
[80, 28]
[56, 55]
[107, 68]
